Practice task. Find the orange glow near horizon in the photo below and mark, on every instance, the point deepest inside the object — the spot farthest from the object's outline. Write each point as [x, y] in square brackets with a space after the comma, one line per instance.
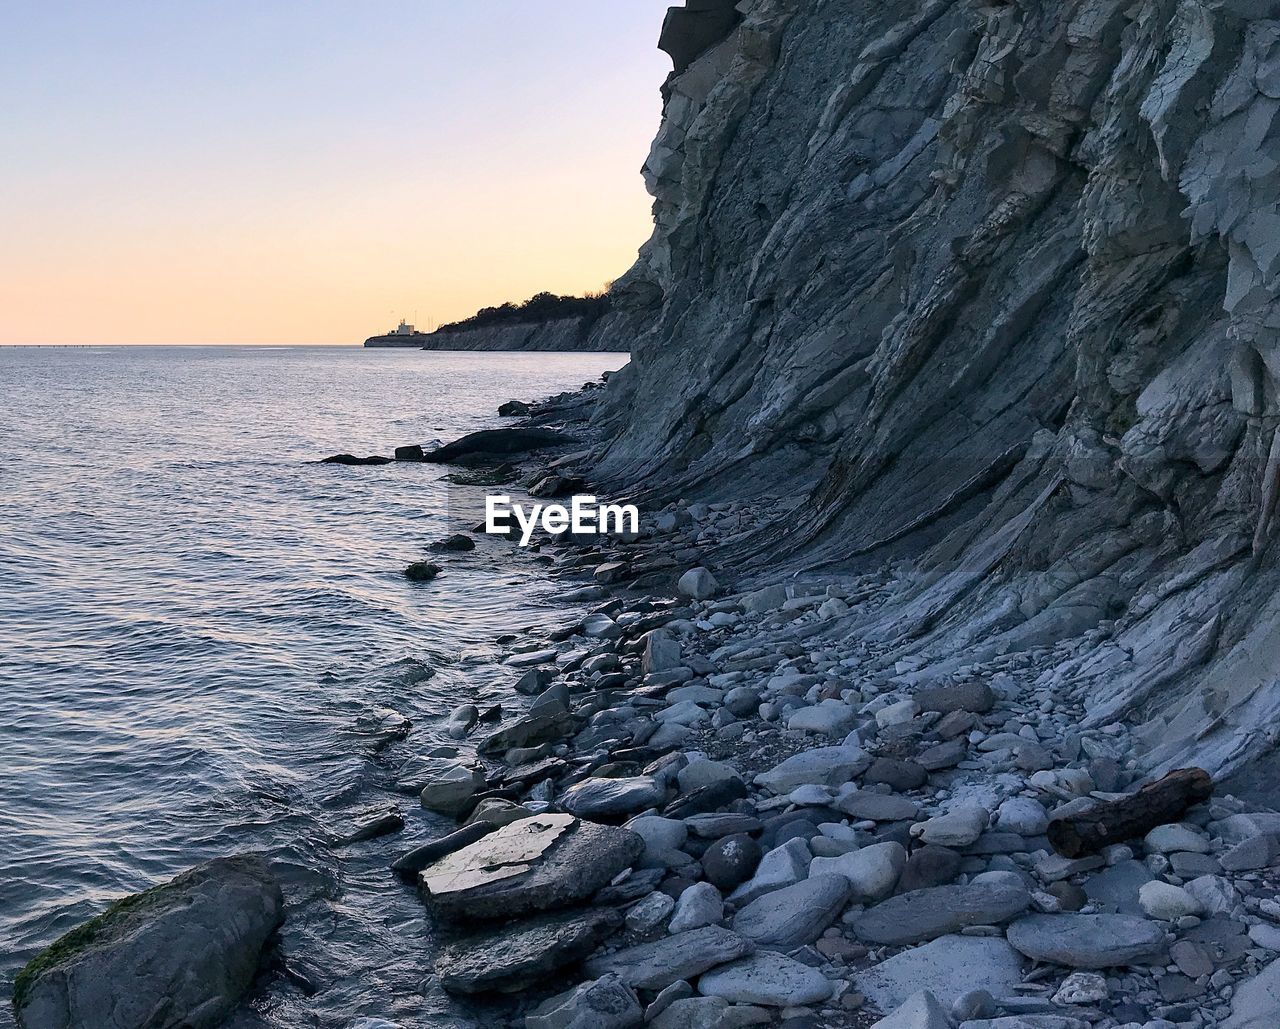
[314, 203]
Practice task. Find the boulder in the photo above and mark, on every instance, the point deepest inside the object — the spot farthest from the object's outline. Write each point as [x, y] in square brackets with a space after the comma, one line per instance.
[770, 979]
[871, 872]
[536, 864]
[795, 914]
[731, 860]
[458, 543]
[531, 731]
[699, 905]
[422, 571]
[698, 583]
[927, 914]
[189, 948]
[652, 966]
[1256, 1002]
[612, 798]
[786, 864]
[512, 958]
[351, 461]
[1087, 941]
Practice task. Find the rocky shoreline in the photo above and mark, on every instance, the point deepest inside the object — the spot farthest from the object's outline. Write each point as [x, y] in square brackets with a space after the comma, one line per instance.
[720, 810]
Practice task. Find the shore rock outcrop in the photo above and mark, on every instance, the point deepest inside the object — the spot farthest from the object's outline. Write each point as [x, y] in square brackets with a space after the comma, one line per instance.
[182, 953]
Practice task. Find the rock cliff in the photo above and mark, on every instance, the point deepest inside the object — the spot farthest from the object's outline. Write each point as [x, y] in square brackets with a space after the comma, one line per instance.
[979, 299]
[560, 334]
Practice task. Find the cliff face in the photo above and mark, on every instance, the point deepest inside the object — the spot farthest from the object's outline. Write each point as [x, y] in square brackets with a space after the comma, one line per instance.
[990, 288]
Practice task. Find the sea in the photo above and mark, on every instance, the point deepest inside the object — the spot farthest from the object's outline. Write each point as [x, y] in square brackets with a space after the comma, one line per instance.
[208, 644]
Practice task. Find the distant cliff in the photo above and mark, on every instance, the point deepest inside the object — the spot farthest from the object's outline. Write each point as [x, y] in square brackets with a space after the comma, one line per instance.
[557, 334]
[991, 290]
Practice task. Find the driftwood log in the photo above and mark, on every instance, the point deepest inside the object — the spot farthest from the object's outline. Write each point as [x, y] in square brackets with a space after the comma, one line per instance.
[1157, 803]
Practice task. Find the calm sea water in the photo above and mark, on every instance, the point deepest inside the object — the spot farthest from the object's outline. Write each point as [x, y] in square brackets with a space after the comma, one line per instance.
[202, 637]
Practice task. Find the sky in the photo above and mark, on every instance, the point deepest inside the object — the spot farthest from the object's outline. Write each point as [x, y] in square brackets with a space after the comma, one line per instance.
[309, 171]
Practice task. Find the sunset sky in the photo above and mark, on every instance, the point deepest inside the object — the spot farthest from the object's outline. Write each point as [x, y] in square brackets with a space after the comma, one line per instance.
[306, 171]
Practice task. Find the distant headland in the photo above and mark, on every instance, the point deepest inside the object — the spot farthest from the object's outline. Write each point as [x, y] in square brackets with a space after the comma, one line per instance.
[543, 322]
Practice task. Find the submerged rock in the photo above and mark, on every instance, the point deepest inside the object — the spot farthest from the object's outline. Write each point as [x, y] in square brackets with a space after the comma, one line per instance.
[189, 948]
[422, 571]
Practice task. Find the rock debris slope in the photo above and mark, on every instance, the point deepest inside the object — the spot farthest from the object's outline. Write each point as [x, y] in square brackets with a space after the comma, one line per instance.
[985, 292]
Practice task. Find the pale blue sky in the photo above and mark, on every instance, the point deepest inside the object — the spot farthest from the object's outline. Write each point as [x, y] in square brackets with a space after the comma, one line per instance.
[278, 170]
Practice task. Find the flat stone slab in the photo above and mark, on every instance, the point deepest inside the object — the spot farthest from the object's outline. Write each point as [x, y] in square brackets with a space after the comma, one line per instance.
[535, 864]
[514, 957]
[654, 966]
[947, 968]
[1088, 941]
[939, 911]
[769, 979]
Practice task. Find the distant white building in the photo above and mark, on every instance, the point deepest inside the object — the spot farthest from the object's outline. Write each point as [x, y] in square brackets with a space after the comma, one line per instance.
[403, 329]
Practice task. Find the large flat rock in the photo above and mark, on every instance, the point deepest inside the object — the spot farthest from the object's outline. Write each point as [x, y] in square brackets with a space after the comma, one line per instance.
[794, 914]
[653, 966]
[1088, 941]
[187, 949]
[535, 864]
[939, 911]
[947, 968]
[514, 957]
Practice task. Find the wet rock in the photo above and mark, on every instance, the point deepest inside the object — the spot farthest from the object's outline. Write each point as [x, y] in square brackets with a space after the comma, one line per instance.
[699, 905]
[422, 571]
[514, 957]
[948, 968]
[529, 732]
[605, 1003]
[651, 966]
[872, 872]
[459, 542]
[1087, 941]
[795, 914]
[384, 824]
[536, 864]
[513, 409]
[769, 979]
[448, 786]
[351, 461]
[927, 914]
[189, 948]
[496, 442]
[612, 798]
